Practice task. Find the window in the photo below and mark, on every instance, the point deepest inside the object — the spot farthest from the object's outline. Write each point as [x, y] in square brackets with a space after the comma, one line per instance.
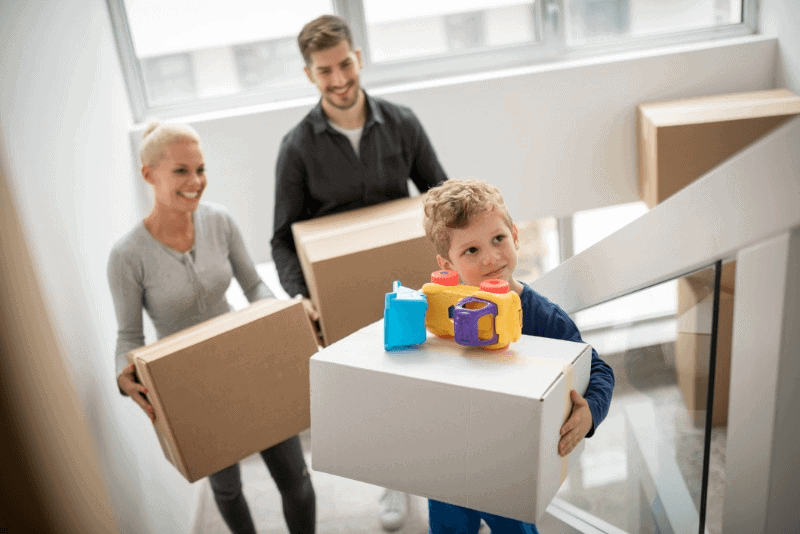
[185, 56]
[419, 28]
[169, 77]
[188, 56]
[593, 20]
[648, 305]
[268, 63]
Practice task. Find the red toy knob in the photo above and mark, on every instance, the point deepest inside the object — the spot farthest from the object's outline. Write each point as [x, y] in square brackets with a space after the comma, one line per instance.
[494, 286]
[445, 278]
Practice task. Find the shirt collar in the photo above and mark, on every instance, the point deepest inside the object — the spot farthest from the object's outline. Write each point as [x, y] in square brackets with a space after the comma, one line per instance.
[319, 121]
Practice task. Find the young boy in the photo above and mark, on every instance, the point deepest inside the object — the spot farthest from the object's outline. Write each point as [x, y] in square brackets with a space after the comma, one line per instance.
[474, 236]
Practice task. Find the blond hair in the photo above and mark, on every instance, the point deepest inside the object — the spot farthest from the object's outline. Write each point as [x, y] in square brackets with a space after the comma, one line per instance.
[157, 136]
[323, 33]
[453, 204]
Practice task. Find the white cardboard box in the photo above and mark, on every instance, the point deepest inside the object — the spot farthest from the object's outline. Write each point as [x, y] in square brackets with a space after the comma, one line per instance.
[462, 425]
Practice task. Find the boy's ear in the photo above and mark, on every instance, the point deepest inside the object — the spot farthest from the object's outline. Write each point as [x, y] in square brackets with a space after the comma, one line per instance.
[444, 264]
[146, 174]
[515, 235]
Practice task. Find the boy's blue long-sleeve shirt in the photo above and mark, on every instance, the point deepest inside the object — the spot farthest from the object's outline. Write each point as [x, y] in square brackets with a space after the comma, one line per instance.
[540, 317]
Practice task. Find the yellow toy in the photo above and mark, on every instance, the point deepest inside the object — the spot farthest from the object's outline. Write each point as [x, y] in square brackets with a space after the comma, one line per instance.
[489, 316]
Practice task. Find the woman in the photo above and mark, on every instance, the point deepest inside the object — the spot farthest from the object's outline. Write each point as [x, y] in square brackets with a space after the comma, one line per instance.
[177, 264]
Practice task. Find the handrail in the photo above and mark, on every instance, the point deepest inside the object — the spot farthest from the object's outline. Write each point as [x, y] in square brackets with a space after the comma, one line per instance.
[747, 199]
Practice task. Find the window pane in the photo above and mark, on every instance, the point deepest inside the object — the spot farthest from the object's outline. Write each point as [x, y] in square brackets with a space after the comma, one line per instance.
[591, 226]
[419, 28]
[169, 78]
[652, 304]
[643, 469]
[538, 248]
[190, 49]
[592, 20]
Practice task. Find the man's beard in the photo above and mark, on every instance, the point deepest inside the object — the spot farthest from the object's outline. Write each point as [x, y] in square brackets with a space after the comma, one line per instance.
[348, 105]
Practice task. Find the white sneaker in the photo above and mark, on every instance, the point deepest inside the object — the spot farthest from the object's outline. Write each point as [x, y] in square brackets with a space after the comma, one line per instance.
[394, 510]
[484, 528]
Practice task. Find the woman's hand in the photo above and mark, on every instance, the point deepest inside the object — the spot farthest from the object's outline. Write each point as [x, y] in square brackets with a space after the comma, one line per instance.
[577, 426]
[129, 384]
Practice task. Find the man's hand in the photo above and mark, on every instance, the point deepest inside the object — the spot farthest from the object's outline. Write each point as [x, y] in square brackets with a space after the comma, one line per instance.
[577, 426]
[129, 384]
[313, 314]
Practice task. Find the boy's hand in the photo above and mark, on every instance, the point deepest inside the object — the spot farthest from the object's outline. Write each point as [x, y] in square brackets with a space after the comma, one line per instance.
[577, 426]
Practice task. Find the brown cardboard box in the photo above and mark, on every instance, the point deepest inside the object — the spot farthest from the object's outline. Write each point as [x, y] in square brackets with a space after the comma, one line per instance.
[350, 260]
[680, 140]
[693, 346]
[230, 386]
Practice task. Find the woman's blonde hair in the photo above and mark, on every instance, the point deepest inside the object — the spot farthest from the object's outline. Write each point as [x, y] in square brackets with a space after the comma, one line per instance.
[157, 136]
[453, 204]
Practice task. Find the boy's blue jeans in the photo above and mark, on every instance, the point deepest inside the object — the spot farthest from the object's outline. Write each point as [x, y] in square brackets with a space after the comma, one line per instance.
[451, 519]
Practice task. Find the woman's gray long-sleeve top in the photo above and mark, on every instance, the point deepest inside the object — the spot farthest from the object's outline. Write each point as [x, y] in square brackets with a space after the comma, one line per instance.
[178, 290]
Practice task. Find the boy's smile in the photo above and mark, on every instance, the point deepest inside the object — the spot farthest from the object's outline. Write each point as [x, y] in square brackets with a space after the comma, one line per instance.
[484, 249]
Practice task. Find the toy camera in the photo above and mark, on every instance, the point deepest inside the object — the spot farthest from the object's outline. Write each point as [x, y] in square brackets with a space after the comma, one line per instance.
[489, 316]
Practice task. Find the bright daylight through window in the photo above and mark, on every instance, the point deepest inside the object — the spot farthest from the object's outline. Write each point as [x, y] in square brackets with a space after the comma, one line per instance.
[188, 56]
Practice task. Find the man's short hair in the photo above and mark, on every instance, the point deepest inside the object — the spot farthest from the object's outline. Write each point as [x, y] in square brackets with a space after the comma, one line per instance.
[453, 204]
[322, 33]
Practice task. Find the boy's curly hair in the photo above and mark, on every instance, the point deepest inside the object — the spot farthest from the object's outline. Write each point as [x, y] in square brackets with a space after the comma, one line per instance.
[453, 204]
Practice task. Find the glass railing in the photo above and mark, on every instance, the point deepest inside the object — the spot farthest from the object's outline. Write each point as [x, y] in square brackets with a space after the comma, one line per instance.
[658, 439]
[658, 461]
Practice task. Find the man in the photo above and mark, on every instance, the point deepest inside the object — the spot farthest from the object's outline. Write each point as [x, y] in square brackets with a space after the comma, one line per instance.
[351, 150]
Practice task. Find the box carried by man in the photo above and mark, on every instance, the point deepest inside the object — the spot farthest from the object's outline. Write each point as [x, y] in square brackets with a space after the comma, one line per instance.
[349, 259]
[229, 387]
[462, 425]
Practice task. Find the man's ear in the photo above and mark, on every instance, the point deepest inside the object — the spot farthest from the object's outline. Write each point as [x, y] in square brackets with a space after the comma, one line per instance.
[358, 57]
[307, 70]
[444, 264]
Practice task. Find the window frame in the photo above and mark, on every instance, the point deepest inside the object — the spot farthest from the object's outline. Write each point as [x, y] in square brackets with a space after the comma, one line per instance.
[552, 48]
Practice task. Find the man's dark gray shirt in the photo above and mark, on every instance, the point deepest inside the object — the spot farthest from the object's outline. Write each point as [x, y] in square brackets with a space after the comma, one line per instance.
[318, 173]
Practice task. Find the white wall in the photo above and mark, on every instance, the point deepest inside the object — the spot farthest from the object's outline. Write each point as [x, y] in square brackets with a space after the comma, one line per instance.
[65, 118]
[781, 19]
[555, 139]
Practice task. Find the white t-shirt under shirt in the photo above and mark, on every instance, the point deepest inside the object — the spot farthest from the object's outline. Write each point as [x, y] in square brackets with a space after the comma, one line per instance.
[353, 135]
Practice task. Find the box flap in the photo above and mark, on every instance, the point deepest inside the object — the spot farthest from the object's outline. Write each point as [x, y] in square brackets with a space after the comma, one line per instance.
[360, 215]
[166, 436]
[727, 107]
[208, 329]
[354, 232]
[508, 371]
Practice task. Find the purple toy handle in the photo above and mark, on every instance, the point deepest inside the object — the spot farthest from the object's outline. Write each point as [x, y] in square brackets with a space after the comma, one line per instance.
[465, 322]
